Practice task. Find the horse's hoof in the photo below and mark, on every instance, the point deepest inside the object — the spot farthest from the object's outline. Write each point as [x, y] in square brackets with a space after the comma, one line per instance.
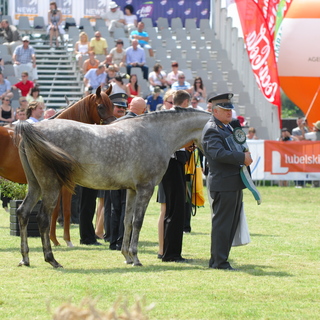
[137, 264]
[69, 244]
[128, 261]
[23, 263]
[56, 265]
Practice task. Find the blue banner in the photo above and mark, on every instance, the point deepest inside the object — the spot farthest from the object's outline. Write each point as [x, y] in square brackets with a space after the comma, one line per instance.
[185, 9]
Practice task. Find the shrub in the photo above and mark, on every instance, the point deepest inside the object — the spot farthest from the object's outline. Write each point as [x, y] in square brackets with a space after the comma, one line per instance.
[13, 190]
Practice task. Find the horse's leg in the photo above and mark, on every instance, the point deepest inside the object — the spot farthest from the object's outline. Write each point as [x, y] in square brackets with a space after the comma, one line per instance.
[53, 226]
[49, 200]
[66, 204]
[138, 208]
[131, 196]
[23, 213]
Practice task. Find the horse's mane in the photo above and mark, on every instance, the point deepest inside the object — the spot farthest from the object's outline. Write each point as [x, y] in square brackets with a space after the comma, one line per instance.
[78, 109]
[174, 110]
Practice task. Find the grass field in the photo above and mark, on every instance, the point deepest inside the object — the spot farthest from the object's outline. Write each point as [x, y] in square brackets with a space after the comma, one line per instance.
[278, 278]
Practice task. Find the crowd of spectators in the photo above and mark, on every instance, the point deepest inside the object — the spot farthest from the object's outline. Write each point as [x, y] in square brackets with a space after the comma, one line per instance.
[25, 75]
[94, 53]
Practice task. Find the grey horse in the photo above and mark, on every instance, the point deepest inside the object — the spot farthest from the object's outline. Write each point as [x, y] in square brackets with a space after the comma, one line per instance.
[132, 154]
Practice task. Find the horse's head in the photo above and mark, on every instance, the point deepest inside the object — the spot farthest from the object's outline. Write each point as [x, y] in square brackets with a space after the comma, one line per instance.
[104, 106]
[95, 109]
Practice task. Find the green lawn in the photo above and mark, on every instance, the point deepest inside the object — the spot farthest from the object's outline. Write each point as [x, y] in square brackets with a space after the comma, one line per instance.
[278, 277]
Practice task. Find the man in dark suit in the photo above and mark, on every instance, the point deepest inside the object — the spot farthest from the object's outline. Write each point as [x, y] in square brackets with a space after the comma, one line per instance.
[224, 179]
[174, 186]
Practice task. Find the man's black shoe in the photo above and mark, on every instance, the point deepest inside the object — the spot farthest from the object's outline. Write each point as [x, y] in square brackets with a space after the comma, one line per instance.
[178, 260]
[227, 269]
[181, 260]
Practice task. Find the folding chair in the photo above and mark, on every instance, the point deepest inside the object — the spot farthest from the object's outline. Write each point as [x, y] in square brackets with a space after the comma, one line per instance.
[84, 22]
[162, 23]
[119, 33]
[176, 23]
[147, 22]
[24, 24]
[190, 24]
[99, 23]
[204, 24]
[39, 25]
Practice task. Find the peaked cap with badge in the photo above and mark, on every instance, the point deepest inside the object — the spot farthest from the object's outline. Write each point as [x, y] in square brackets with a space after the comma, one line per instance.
[119, 99]
[220, 100]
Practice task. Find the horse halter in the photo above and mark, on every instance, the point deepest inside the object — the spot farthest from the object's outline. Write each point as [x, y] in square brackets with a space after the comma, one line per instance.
[106, 120]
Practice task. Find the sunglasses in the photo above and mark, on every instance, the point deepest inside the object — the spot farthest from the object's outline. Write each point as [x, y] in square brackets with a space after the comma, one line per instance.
[6, 99]
[169, 102]
[25, 41]
[174, 65]
[97, 36]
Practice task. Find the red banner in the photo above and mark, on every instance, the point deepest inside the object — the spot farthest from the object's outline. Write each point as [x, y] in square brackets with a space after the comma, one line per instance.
[258, 18]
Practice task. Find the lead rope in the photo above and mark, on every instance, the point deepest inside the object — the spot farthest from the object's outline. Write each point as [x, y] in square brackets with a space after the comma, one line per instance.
[193, 183]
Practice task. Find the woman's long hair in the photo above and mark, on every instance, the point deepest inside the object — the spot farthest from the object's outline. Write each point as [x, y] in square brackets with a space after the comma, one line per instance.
[194, 83]
[136, 84]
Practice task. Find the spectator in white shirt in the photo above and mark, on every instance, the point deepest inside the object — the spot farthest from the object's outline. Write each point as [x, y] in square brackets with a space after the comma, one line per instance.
[114, 17]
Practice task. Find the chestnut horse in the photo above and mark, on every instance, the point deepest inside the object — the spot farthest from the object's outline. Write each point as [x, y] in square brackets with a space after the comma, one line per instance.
[93, 109]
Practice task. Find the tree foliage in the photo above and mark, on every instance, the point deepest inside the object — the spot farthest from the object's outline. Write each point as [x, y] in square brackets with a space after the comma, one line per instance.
[289, 109]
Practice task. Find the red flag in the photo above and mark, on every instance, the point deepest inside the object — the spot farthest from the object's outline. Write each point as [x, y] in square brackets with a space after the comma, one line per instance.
[258, 18]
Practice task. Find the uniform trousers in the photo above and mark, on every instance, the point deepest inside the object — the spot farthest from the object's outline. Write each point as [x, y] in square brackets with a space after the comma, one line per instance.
[118, 208]
[75, 205]
[174, 185]
[226, 208]
[87, 211]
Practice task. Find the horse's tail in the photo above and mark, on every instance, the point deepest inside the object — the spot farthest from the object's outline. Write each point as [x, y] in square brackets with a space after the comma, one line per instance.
[54, 158]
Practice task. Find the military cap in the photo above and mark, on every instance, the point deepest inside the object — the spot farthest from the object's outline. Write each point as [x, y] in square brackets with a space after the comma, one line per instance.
[119, 99]
[214, 98]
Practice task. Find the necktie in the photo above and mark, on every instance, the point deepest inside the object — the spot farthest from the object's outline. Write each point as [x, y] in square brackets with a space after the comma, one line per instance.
[229, 127]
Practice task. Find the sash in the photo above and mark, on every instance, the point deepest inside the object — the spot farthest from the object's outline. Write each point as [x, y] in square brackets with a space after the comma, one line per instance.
[246, 179]
[237, 142]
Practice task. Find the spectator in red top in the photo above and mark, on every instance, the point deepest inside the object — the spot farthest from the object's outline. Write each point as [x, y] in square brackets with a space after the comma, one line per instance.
[25, 85]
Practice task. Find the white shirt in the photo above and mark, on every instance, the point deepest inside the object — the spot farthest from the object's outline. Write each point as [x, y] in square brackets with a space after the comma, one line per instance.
[130, 19]
[109, 16]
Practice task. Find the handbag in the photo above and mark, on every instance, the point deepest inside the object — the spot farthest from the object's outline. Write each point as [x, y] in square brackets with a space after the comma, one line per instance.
[242, 235]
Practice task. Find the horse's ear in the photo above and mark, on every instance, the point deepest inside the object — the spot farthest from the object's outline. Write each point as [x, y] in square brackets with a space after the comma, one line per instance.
[98, 91]
[67, 100]
[108, 91]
